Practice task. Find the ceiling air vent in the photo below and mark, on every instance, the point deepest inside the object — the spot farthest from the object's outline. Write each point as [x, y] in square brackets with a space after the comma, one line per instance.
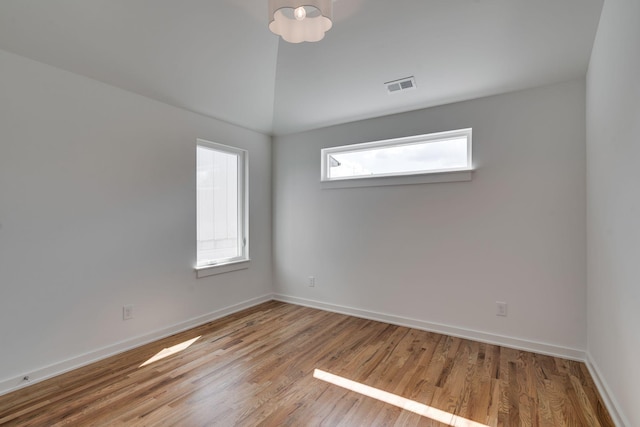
[400, 85]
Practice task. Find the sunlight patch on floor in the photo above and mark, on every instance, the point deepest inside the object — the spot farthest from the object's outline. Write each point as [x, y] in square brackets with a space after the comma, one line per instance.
[399, 401]
[166, 352]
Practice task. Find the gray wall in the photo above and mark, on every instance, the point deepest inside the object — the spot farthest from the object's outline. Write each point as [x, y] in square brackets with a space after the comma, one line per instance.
[97, 210]
[613, 150]
[445, 253]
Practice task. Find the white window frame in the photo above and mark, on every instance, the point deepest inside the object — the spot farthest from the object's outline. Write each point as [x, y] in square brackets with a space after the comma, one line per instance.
[400, 178]
[242, 261]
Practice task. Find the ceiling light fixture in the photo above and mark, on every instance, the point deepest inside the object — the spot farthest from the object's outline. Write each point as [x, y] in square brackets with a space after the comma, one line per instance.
[299, 21]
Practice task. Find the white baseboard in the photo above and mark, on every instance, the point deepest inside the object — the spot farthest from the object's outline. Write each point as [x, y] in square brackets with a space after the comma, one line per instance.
[516, 343]
[41, 374]
[610, 402]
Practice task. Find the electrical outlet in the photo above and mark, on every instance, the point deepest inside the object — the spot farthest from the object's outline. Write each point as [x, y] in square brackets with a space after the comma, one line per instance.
[127, 312]
[311, 281]
[501, 308]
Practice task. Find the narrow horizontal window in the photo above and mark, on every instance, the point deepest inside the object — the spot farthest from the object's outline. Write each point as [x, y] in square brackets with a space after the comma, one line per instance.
[221, 218]
[422, 154]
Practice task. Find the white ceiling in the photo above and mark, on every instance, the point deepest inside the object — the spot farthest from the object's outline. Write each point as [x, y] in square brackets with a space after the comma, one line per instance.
[218, 58]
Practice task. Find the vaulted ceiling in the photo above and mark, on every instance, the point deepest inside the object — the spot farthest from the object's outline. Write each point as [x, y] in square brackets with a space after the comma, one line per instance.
[218, 58]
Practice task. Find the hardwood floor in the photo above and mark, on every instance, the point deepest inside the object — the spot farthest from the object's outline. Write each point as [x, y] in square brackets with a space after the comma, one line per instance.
[257, 367]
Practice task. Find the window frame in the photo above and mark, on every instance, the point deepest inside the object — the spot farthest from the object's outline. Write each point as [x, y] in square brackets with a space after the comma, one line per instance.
[397, 178]
[240, 262]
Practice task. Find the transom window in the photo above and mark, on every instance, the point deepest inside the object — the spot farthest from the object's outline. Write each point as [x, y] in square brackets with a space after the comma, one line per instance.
[421, 154]
[221, 204]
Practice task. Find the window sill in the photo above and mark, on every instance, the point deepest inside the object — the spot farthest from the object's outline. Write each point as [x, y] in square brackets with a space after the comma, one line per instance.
[212, 270]
[378, 181]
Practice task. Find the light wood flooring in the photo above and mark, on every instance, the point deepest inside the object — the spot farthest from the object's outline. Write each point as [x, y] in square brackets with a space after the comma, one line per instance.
[257, 367]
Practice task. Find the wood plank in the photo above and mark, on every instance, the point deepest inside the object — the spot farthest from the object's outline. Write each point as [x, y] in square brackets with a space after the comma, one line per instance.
[256, 367]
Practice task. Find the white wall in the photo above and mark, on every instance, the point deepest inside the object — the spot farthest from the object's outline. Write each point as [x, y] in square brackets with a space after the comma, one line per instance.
[613, 150]
[445, 253]
[97, 210]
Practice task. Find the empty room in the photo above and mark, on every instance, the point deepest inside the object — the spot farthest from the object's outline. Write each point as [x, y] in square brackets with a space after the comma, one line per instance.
[319, 212]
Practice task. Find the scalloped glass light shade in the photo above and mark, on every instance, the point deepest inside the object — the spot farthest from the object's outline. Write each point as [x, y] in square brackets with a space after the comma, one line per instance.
[311, 28]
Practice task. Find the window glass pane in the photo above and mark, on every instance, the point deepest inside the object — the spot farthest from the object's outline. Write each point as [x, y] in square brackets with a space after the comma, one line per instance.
[400, 159]
[218, 221]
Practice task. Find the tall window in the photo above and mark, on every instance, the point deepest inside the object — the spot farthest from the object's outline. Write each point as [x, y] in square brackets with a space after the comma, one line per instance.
[221, 204]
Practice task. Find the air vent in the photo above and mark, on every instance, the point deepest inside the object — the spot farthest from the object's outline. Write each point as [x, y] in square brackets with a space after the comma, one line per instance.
[400, 85]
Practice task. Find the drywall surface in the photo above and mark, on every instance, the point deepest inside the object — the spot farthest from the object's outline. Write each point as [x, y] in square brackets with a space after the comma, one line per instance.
[613, 150]
[97, 211]
[445, 253]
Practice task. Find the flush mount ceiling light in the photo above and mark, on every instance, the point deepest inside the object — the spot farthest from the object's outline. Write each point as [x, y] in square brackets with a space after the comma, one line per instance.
[299, 21]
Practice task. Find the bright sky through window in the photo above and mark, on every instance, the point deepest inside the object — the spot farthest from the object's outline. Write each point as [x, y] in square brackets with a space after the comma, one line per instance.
[221, 215]
[447, 151]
